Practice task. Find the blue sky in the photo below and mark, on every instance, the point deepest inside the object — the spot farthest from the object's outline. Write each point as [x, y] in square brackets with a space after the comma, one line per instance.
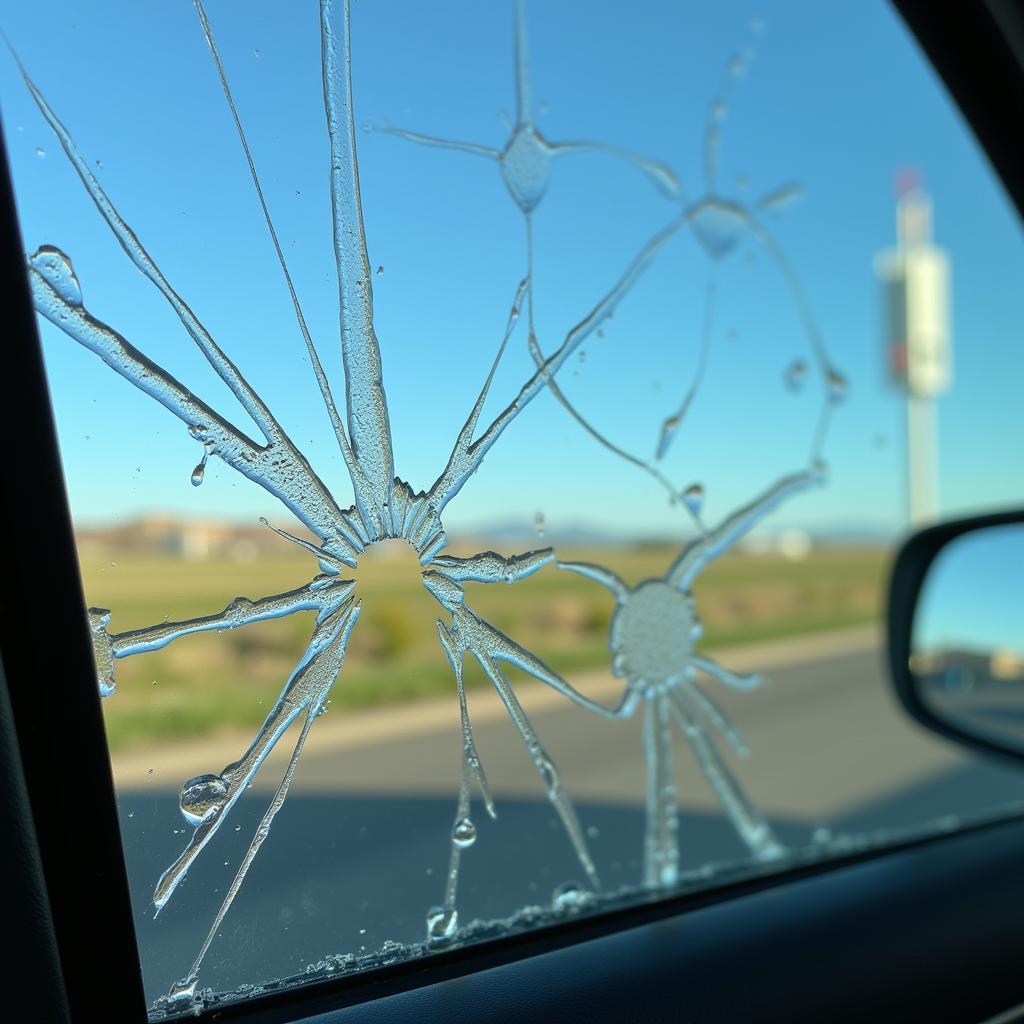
[969, 599]
[835, 99]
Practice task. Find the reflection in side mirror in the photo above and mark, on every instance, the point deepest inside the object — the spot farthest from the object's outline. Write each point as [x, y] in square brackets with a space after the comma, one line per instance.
[967, 643]
[956, 624]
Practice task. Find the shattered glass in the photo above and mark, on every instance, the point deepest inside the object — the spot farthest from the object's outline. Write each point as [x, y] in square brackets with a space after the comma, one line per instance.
[655, 628]
[717, 455]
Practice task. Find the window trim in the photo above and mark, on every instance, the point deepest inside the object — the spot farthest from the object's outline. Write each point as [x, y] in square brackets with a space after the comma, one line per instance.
[58, 724]
[929, 931]
[977, 50]
[58, 750]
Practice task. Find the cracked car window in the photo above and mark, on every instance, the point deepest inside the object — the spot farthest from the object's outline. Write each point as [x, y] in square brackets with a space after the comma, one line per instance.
[486, 443]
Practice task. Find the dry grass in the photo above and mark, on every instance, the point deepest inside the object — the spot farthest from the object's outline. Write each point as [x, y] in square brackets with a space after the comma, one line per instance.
[212, 681]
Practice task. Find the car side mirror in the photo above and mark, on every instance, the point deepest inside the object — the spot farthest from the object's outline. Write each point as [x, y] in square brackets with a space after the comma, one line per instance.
[956, 631]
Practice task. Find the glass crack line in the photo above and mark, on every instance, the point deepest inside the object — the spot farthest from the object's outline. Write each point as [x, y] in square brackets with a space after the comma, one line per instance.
[718, 224]
[655, 627]
[385, 505]
[525, 164]
[526, 158]
[652, 640]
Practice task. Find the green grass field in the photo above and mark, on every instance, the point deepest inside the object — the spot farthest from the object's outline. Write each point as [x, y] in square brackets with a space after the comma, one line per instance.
[226, 681]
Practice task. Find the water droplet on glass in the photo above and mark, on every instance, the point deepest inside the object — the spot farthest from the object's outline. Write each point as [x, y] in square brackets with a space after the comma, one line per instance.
[593, 831]
[582, 356]
[200, 471]
[298, 194]
[183, 989]
[464, 833]
[526, 167]
[150, 771]
[693, 498]
[256, 53]
[441, 923]
[380, 270]
[549, 774]
[40, 152]
[718, 227]
[538, 523]
[55, 268]
[600, 332]
[131, 814]
[668, 431]
[201, 797]
[569, 897]
[837, 385]
[796, 374]
[821, 835]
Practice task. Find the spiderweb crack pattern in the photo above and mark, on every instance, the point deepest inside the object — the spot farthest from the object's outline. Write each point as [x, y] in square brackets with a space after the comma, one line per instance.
[385, 506]
[655, 627]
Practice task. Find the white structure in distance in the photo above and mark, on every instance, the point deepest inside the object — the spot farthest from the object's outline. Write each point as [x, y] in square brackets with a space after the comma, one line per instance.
[916, 279]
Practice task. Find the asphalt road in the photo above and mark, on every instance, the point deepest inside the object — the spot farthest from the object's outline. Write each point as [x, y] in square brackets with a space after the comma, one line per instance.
[360, 850]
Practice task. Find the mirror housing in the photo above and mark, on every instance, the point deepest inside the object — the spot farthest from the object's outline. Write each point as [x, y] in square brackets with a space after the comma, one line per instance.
[956, 636]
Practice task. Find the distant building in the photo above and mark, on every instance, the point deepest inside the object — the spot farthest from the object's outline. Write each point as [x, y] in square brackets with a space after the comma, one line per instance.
[190, 539]
[1007, 665]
